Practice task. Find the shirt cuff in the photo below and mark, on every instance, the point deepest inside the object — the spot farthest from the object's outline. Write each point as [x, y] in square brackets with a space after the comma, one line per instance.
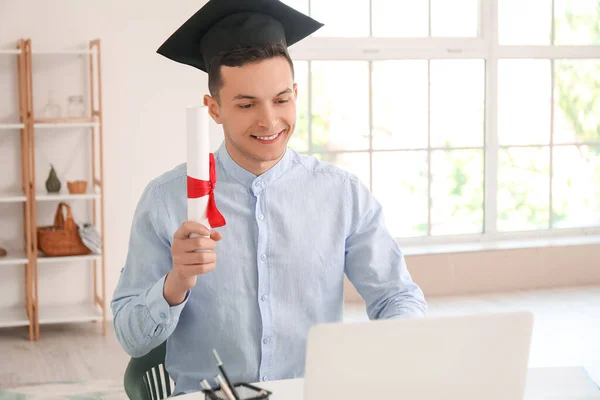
[160, 310]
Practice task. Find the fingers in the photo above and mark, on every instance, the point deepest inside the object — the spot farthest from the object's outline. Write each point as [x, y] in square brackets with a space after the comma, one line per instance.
[193, 258]
[216, 236]
[195, 243]
[185, 272]
[188, 261]
[190, 227]
[197, 269]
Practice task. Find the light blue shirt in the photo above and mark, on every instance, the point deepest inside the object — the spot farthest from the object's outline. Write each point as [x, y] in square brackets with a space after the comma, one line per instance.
[291, 235]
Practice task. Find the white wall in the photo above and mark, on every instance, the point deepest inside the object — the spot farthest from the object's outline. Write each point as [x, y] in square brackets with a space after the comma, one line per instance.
[144, 100]
[477, 272]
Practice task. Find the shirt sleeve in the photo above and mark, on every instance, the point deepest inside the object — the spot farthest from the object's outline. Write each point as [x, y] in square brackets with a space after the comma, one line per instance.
[142, 317]
[374, 262]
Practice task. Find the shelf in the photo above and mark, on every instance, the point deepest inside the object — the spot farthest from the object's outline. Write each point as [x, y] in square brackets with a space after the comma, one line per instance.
[14, 257]
[69, 313]
[64, 120]
[49, 52]
[65, 196]
[42, 259]
[63, 52]
[13, 316]
[4, 126]
[35, 203]
[65, 123]
[12, 197]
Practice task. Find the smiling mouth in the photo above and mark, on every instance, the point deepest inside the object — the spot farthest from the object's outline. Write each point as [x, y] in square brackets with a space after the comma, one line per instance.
[268, 138]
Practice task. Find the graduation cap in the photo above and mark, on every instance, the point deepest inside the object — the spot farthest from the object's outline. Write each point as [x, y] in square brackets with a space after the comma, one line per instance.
[226, 24]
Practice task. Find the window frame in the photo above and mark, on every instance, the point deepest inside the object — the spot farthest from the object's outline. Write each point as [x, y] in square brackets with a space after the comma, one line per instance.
[486, 47]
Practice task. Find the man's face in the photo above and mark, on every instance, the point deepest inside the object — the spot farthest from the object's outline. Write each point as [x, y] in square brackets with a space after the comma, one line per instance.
[257, 108]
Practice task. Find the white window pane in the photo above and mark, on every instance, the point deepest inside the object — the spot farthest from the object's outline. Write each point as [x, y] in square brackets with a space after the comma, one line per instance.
[524, 101]
[400, 18]
[341, 18]
[576, 22]
[355, 163]
[455, 18]
[523, 189]
[300, 5]
[457, 192]
[340, 105]
[575, 186]
[299, 140]
[577, 101]
[399, 104]
[457, 102]
[524, 22]
[400, 185]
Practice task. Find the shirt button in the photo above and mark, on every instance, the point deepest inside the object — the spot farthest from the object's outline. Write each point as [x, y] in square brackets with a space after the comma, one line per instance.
[163, 315]
[265, 378]
[264, 297]
[260, 216]
[263, 257]
[266, 341]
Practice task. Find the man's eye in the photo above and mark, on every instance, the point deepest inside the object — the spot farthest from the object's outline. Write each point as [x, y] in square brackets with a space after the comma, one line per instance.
[245, 106]
[282, 101]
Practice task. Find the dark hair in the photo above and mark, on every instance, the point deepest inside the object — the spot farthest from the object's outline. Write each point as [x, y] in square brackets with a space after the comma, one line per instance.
[241, 56]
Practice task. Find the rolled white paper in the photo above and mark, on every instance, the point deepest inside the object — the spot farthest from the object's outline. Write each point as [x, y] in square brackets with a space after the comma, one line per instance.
[198, 161]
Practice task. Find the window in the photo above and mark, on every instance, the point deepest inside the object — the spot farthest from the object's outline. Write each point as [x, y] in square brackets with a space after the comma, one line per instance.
[467, 119]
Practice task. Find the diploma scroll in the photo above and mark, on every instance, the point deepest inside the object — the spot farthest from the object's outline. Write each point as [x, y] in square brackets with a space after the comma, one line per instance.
[198, 164]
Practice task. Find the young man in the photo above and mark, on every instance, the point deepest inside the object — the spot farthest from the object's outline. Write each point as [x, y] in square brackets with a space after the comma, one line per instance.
[294, 227]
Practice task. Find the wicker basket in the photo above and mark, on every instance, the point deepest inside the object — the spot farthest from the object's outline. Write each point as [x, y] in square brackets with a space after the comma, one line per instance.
[77, 187]
[62, 238]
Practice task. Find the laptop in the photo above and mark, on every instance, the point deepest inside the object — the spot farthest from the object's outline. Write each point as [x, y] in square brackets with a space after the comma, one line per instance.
[469, 357]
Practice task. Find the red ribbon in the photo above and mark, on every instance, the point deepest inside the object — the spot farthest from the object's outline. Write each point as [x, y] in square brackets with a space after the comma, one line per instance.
[198, 188]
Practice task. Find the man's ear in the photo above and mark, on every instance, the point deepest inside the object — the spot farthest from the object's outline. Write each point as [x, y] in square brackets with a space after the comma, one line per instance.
[295, 88]
[213, 108]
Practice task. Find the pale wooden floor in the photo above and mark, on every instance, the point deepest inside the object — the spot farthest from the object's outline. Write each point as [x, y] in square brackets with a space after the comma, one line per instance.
[75, 352]
[566, 333]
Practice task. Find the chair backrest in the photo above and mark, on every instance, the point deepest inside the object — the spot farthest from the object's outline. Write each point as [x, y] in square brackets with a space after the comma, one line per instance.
[146, 377]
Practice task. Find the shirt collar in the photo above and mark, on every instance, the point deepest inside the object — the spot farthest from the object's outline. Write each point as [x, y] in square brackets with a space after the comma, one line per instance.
[248, 179]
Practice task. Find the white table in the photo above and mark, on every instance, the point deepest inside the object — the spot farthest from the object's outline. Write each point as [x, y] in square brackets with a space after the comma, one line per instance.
[570, 383]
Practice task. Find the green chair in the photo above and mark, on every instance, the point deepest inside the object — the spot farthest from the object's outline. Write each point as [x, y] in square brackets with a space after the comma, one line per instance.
[146, 377]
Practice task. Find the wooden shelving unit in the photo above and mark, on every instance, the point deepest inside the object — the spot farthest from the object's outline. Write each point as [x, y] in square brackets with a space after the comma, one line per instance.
[42, 196]
[11, 126]
[15, 316]
[13, 197]
[36, 311]
[65, 124]
[15, 257]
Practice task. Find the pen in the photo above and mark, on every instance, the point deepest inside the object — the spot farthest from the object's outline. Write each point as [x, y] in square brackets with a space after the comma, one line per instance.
[225, 387]
[222, 369]
[208, 390]
[205, 385]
